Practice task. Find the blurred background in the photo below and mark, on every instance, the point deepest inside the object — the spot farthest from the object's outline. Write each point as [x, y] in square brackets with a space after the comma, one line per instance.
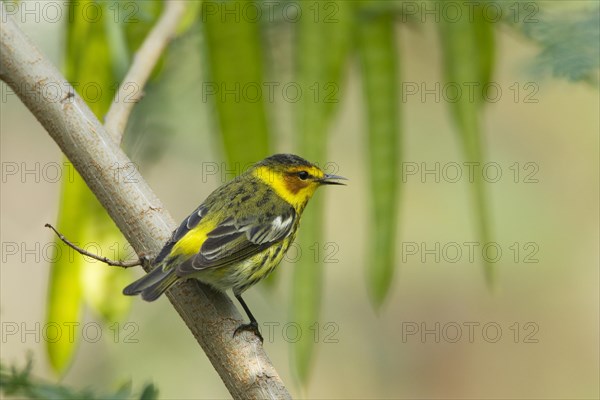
[414, 281]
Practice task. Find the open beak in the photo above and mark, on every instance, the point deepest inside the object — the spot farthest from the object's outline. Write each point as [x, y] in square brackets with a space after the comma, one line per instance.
[329, 179]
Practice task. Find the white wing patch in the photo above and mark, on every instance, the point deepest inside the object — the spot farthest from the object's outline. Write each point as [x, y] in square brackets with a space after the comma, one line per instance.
[279, 224]
[278, 229]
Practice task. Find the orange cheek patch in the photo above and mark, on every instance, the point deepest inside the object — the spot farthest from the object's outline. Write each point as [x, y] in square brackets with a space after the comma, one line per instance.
[294, 185]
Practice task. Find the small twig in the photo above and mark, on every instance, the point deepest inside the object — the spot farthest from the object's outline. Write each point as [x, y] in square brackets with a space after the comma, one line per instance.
[143, 63]
[124, 264]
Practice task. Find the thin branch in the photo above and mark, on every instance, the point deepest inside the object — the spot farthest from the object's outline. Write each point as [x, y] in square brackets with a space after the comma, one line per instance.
[144, 62]
[113, 263]
[212, 318]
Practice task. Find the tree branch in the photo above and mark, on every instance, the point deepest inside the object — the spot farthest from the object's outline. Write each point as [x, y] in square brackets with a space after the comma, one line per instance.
[144, 62]
[211, 316]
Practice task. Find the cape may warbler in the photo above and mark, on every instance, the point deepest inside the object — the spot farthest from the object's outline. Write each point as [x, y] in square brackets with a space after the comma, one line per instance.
[240, 233]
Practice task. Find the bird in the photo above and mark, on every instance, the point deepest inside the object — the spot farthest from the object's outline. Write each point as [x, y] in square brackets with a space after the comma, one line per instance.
[240, 233]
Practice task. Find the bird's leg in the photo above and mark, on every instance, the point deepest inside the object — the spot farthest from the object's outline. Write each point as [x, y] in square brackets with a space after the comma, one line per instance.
[252, 326]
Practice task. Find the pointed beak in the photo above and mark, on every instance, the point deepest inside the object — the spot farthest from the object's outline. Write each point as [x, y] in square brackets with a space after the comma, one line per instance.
[329, 179]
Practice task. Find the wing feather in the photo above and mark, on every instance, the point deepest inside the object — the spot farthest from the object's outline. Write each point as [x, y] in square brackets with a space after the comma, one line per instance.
[188, 224]
[234, 240]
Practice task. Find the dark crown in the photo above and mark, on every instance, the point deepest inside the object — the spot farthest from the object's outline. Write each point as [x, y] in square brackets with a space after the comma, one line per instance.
[285, 160]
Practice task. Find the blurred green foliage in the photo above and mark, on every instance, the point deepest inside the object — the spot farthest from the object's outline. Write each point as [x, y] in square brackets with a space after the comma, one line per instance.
[235, 59]
[18, 383]
[377, 49]
[568, 49]
[468, 47]
[566, 33]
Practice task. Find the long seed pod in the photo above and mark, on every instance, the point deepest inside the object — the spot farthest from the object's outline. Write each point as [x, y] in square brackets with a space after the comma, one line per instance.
[377, 49]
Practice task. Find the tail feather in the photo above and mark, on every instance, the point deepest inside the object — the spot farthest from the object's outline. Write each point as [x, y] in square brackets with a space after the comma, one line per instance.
[153, 284]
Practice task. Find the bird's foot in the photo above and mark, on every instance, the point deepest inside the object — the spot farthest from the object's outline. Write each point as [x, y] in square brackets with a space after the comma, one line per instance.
[252, 327]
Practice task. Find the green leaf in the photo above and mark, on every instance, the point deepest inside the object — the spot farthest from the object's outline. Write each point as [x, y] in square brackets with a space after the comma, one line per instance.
[150, 392]
[64, 292]
[234, 54]
[102, 284]
[468, 47]
[322, 50]
[89, 62]
[376, 45]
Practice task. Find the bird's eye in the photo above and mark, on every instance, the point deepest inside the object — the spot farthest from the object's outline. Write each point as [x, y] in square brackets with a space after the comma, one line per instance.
[303, 175]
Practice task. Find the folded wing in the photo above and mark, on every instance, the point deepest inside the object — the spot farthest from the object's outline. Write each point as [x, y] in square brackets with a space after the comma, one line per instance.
[236, 239]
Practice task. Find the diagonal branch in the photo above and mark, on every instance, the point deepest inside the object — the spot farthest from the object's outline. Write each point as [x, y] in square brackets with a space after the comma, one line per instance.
[144, 62]
[211, 317]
